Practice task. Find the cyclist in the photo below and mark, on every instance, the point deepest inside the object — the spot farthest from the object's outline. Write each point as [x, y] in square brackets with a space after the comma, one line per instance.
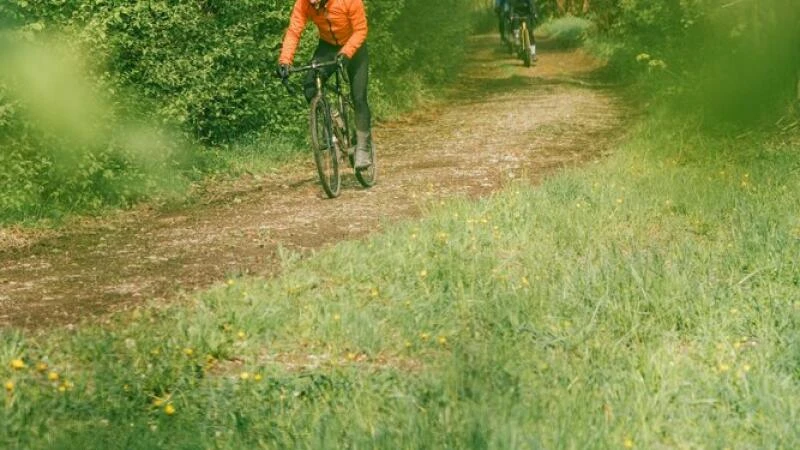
[520, 7]
[342, 27]
[500, 7]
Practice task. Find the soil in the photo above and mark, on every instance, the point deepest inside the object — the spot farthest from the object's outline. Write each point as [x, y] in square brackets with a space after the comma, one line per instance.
[499, 121]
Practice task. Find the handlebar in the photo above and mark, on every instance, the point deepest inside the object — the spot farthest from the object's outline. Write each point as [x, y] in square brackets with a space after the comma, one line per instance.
[315, 65]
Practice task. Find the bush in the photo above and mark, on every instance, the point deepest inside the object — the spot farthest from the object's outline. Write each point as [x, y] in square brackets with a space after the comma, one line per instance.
[689, 49]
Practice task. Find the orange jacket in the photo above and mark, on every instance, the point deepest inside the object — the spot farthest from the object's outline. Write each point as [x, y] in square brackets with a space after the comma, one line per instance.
[341, 22]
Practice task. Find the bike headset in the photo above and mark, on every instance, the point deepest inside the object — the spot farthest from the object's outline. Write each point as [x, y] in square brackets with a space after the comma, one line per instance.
[318, 4]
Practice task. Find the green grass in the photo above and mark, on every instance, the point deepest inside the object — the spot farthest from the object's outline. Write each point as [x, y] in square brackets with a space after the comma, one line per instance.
[564, 32]
[651, 301]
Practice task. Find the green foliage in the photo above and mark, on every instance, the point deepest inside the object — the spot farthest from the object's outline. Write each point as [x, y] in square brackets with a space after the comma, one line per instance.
[565, 32]
[687, 52]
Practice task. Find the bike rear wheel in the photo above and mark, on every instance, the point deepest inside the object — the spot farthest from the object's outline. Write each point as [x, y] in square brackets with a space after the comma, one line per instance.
[323, 143]
[526, 44]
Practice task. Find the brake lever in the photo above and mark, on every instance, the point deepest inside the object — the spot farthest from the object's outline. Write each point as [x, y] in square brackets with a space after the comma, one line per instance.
[288, 86]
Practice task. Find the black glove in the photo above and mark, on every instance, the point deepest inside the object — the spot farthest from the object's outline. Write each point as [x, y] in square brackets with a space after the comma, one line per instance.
[343, 59]
[282, 71]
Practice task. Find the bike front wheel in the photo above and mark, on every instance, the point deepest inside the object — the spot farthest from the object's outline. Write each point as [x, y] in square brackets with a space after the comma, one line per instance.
[323, 143]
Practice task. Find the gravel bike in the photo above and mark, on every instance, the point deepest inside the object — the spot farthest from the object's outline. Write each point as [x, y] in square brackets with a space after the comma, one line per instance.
[332, 126]
[518, 37]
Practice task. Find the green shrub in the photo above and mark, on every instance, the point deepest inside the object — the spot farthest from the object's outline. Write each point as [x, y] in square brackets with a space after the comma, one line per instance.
[730, 62]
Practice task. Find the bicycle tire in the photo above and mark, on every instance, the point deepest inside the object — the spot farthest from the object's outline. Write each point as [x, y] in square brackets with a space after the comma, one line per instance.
[326, 153]
[526, 44]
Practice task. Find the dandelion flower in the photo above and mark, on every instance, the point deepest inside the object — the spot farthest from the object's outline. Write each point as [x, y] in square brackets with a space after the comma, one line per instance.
[41, 366]
[442, 340]
[244, 376]
[241, 334]
[627, 443]
[169, 409]
[188, 351]
[258, 377]
[9, 385]
[18, 364]
[52, 376]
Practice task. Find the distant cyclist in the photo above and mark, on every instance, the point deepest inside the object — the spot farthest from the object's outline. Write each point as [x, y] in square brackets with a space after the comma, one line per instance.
[527, 8]
[342, 26]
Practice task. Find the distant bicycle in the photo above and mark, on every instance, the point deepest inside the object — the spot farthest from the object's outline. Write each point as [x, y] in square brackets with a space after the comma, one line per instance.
[518, 37]
[333, 127]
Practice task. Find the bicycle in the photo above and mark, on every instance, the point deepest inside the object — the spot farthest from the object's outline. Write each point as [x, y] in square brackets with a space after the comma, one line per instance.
[332, 127]
[518, 38]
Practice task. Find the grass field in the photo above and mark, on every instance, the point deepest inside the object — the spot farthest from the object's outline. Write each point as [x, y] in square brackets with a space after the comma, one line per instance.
[649, 301]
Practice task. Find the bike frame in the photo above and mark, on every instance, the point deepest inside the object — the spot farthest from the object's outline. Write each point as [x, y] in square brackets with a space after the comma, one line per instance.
[338, 89]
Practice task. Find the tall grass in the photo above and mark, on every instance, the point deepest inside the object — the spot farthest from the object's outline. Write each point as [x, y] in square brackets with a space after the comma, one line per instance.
[649, 301]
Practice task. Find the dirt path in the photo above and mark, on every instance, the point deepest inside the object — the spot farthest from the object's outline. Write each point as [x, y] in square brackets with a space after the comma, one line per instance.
[503, 121]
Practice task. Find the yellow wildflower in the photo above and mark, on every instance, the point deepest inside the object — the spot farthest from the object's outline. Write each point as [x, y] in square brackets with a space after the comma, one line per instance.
[41, 366]
[52, 376]
[169, 409]
[18, 364]
[9, 386]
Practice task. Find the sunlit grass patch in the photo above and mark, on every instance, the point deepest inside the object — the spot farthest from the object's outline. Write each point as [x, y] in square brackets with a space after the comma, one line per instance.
[564, 32]
[648, 301]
